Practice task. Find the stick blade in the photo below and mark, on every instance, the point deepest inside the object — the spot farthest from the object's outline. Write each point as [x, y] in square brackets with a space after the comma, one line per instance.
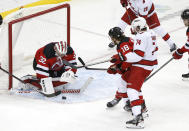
[82, 62]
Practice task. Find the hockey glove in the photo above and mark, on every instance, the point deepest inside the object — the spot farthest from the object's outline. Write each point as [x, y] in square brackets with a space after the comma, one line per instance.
[119, 69]
[122, 67]
[115, 59]
[124, 3]
[68, 76]
[112, 69]
[125, 65]
[178, 54]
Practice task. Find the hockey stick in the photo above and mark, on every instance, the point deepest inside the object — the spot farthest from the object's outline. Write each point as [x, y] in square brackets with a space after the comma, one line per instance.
[77, 67]
[81, 90]
[158, 69]
[128, 16]
[51, 95]
[100, 62]
[87, 68]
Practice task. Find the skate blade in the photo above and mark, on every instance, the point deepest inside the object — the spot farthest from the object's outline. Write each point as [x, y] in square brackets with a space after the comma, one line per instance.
[139, 126]
[185, 79]
[145, 115]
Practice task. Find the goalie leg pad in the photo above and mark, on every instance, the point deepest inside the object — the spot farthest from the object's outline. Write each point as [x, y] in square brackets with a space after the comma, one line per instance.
[30, 82]
[47, 86]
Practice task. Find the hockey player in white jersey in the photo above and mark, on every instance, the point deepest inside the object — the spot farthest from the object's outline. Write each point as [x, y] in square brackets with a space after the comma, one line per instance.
[145, 9]
[144, 60]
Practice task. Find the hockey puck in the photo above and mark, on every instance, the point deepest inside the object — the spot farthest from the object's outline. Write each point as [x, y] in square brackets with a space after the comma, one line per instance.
[63, 97]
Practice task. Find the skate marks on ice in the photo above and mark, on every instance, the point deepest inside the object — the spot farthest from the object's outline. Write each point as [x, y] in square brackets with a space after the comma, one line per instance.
[102, 86]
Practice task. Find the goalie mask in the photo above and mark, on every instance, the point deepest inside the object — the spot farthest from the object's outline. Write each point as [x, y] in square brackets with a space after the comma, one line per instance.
[139, 25]
[61, 48]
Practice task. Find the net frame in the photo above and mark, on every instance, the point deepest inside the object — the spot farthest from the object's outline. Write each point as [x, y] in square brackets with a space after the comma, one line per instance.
[10, 34]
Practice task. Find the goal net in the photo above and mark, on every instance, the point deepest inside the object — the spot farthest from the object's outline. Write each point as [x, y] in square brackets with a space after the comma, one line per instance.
[25, 31]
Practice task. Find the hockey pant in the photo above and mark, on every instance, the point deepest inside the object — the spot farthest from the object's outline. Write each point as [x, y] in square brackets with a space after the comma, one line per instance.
[152, 19]
[135, 78]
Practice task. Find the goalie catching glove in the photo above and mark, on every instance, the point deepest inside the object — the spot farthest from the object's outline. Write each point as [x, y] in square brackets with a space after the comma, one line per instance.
[68, 76]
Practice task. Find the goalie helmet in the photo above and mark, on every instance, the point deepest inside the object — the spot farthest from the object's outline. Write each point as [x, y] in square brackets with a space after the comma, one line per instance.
[61, 47]
[139, 25]
[116, 33]
[185, 14]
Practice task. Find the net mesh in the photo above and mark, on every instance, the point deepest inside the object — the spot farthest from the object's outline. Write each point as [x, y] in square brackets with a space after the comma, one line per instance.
[28, 36]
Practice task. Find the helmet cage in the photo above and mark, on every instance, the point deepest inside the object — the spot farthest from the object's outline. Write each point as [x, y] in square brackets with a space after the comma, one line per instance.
[61, 47]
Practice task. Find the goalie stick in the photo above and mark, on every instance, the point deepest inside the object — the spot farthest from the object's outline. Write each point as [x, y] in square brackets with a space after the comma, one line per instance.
[51, 95]
[80, 90]
[77, 91]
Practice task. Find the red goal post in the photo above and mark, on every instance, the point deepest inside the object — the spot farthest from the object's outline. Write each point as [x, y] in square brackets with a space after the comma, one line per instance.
[10, 33]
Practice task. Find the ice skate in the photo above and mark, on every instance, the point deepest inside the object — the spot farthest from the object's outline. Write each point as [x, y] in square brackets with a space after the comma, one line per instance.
[136, 123]
[144, 110]
[127, 106]
[185, 77]
[112, 103]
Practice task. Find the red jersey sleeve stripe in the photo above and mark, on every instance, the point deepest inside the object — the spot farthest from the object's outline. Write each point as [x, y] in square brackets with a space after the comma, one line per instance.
[152, 9]
[166, 37]
[139, 52]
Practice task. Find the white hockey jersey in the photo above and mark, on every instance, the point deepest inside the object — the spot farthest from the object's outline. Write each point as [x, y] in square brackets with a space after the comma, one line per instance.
[144, 51]
[141, 7]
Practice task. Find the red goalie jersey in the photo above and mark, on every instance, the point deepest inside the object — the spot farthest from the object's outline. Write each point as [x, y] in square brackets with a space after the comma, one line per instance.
[48, 64]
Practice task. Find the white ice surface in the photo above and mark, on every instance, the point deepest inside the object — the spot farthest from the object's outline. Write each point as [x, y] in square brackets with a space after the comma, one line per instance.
[166, 95]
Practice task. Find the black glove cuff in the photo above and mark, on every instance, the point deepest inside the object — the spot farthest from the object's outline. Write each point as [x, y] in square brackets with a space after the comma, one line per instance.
[179, 52]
